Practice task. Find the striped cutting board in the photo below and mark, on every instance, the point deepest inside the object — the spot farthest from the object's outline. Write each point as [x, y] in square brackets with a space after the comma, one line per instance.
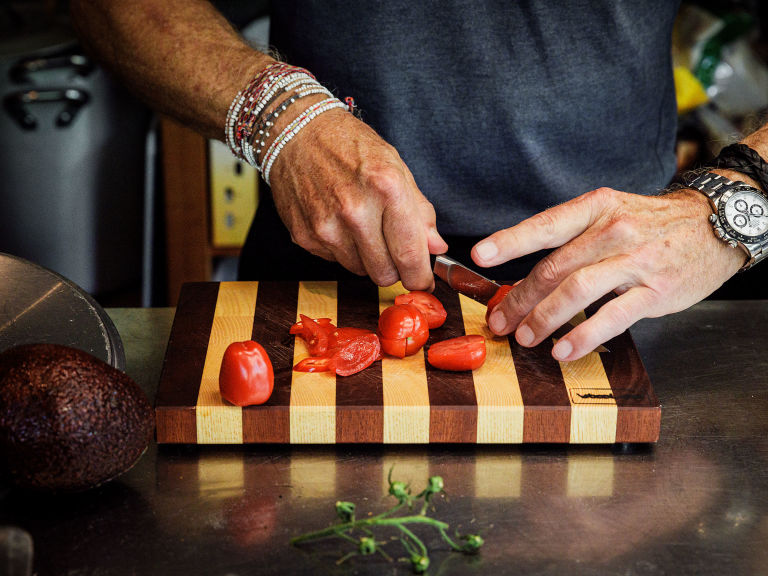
[519, 395]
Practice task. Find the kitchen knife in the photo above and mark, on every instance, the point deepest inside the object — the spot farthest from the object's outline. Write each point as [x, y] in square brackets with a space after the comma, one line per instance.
[481, 289]
[464, 280]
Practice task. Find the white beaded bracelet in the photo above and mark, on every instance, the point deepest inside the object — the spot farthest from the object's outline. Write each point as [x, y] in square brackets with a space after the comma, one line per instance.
[294, 128]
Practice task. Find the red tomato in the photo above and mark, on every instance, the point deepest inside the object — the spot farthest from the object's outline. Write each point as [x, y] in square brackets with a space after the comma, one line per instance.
[403, 330]
[357, 354]
[462, 353]
[246, 375]
[315, 333]
[429, 304]
[314, 364]
[503, 290]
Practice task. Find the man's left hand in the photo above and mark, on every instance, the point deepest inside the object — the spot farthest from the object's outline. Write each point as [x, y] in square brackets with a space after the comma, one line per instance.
[658, 253]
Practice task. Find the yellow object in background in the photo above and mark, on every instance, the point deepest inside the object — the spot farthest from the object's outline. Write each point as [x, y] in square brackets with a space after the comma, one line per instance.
[234, 196]
[689, 91]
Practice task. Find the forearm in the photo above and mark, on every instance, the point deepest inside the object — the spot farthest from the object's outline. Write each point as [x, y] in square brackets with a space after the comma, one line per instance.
[758, 141]
[180, 56]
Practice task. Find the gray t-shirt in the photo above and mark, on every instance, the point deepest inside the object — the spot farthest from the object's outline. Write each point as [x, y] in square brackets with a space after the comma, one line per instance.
[500, 108]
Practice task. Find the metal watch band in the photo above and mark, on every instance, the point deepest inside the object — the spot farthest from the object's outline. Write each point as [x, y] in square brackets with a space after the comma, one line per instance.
[713, 185]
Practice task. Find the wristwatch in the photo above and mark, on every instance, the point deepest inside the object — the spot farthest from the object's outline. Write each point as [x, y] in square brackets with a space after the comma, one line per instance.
[740, 214]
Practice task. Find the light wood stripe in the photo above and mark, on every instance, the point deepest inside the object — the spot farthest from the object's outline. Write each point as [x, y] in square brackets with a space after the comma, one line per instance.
[218, 422]
[593, 420]
[499, 401]
[313, 395]
[406, 396]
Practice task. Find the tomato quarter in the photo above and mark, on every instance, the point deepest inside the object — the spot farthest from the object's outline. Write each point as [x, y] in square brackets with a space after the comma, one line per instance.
[246, 375]
[503, 290]
[403, 330]
[428, 303]
[462, 353]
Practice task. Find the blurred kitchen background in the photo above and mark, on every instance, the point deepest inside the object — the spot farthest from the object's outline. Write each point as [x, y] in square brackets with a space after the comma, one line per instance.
[88, 190]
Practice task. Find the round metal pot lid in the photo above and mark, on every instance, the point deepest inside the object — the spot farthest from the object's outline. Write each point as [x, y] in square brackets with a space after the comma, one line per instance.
[40, 306]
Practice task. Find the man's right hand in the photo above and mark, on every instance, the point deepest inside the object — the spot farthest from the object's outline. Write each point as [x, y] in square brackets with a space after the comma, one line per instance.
[345, 195]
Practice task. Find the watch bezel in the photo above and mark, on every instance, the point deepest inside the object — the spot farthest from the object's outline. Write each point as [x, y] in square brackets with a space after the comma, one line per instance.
[733, 233]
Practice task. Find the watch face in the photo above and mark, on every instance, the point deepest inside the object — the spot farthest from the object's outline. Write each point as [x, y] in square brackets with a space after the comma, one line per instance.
[744, 215]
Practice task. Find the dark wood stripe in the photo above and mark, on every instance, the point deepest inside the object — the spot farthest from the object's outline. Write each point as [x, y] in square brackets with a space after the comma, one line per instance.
[547, 410]
[275, 312]
[359, 397]
[183, 365]
[452, 399]
[639, 412]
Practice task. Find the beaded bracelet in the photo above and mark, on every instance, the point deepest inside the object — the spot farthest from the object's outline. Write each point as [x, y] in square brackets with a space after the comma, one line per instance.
[293, 128]
[744, 159]
[252, 100]
[261, 132]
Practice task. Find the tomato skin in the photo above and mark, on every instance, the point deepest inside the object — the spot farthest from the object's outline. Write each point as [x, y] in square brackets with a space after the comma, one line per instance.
[432, 307]
[403, 330]
[316, 333]
[461, 353]
[246, 377]
[357, 354]
[314, 364]
[501, 293]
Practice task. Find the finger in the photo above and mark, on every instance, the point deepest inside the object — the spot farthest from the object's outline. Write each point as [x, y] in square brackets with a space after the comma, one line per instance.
[373, 252]
[574, 294]
[328, 238]
[405, 233]
[613, 318]
[545, 277]
[548, 229]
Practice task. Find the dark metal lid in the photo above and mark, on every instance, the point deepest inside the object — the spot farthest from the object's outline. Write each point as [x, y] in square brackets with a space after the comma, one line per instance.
[38, 305]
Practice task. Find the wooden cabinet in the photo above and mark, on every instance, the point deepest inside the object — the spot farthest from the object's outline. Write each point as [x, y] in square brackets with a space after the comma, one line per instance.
[209, 201]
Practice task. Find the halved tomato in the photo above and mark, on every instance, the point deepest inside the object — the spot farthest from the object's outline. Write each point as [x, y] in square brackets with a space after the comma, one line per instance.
[461, 353]
[403, 330]
[428, 303]
[496, 299]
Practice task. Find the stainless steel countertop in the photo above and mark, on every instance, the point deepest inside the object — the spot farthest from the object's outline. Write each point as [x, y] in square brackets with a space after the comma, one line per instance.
[695, 503]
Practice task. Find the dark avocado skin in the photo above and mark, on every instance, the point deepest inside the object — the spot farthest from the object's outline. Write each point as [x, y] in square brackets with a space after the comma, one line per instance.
[68, 420]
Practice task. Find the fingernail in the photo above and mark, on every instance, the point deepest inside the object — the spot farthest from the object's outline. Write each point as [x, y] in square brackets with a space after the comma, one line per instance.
[486, 250]
[524, 335]
[562, 350]
[497, 321]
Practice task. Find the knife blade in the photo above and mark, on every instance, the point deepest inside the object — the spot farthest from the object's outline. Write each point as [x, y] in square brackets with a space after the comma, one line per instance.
[464, 280]
[479, 288]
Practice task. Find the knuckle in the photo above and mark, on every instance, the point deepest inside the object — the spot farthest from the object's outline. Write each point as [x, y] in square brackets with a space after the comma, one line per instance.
[579, 284]
[547, 271]
[618, 315]
[385, 180]
[546, 222]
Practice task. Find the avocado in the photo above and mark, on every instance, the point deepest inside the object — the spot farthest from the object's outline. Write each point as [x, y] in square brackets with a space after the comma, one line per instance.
[68, 420]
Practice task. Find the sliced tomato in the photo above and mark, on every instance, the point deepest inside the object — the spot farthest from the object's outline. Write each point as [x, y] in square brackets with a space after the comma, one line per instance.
[316, 335]
[403, 330]
[428, 303]
[357, 354]
[461, 353]
[496, 299]
[299, 329]
[345, 334]
[246, 376]
[314, 364]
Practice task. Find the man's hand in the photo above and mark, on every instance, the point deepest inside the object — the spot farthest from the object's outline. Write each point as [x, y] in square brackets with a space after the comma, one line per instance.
[658, 253]
[346, 195]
